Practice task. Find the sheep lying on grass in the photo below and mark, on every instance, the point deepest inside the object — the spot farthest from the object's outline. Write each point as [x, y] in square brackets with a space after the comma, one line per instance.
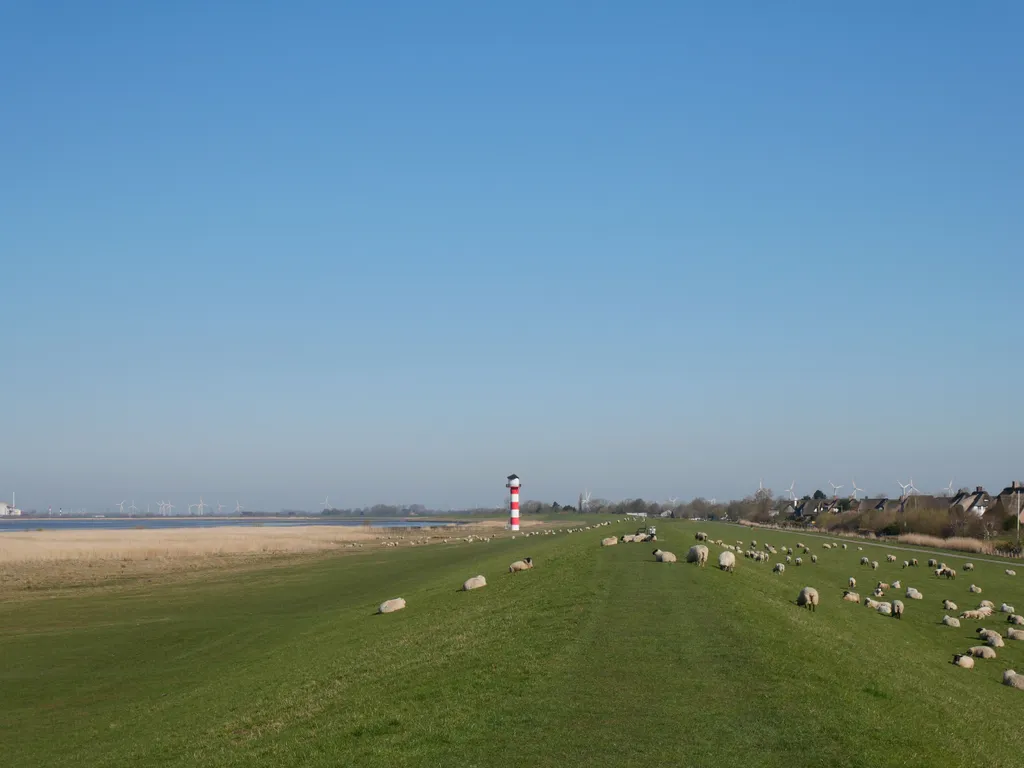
[963, 660]
[1015, 619]
[727, 562]
[851, 597]
[664, 557]
[1013, 680]
[1010, 572]
[390, 606]
[982, 652]
[1006, 608]
[885, 609]
[808, 597]
[913, 594]
[521, 565]
[698, 554]
[611, 541]
[949, 605]
[949, 621]
[869, 603]
[974, 588]
[990, 637]
[798, 561]
[1014, 634]
[897, 584]
[974, 615]
[474, 583]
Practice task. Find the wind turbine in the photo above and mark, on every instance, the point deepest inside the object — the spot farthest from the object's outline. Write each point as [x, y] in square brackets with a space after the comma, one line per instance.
[132, 509]
[712, 501]
[913, 490]
[835, 489]
[121, 506]
[949, 488]
[201, 506]
[855, 490]
[903, 488]
[219, 507]
[169, 507]
[238, 507]
[325, 505]
[585, 500]
[792, 494]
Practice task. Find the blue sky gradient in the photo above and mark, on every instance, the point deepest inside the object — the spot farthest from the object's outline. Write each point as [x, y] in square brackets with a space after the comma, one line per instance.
[394, 252]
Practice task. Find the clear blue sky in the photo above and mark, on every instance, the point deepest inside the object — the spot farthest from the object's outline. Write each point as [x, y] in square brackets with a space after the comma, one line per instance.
[395, 251]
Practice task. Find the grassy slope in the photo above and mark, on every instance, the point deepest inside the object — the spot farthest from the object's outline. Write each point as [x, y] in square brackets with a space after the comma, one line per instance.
[597, 656]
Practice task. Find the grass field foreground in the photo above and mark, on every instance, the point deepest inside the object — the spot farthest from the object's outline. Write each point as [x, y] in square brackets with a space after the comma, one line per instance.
[598, 656]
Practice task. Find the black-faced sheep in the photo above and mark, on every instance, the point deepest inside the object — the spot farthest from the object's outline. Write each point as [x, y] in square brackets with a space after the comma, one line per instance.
[963, 660]
[521, 565]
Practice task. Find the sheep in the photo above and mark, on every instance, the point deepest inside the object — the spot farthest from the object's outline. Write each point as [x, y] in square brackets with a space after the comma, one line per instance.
[932, 563]
[727, 562]
[701, 536]
[664, 557]
[949, 605]
[844, 546]
[789, 559]
[1004, 608]
[851, 597]
[885, 609]
[869, 603]
[1014, 619]
[987, 604]
[801, 545]
[521, 565]
[982, 652]
[906, 563]
[798, 561]
[897, 609]
[990, 637]
[913, 594]
[968, 566]
[897, 584]
[890, 558]
[949, 573]
[1010, 572]
[474, 583]
[864, 561]
[882, 585]
[874, 565]
[814, 558]
[808, 597]
[963, 660]
[698, 554]
[1014, 634]
[973, 615]
[611, 541]
[853, 583]
[390, 606]
[878, 593]
[1013, 680]
[627, 538]
[949, 621]
[913, 562]
[974, 588]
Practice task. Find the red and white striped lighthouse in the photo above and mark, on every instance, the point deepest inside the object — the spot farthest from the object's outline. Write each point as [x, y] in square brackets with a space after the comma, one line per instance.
[513, 501]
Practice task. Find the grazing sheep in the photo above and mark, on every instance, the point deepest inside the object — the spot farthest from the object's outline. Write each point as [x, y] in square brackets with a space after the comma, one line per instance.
[949, 605]
[801, 545]
[949, 573]
[949, 621]
[789, 559]
[727, 562]
[890, 558]
[913, 594]
[885, 609]
[963, 660]
[932, 563]
[779, 568]
[1010, 572]
[897, 609]
[1004, 608]
[798, 561]
[1014, 634]
[864, 561]
[913, 562]
[874, 565]
[853, 583]
[808, 597]
[665, 557]
[521, 565]
[906, 563]
[611, 541]
[990, 637]
[698, 554]
[814, 558]
[474, 583]
[390, 606]
[968, 566]
[1013, 680]
[844, 546]
[1014, 619]
[851, 597]
[982, 652]
[701, 536]
[974, 588]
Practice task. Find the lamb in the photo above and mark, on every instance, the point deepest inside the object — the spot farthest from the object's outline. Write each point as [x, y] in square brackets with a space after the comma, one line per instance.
[1013, 680]
[808, 597]
[474, 583]
[390, 606]
[864, 561]
[853, 583]
[885, 609]
[851, 597]
[913, 594]
[963, 660]
[611, 541]
[890, 558]
[949, 621]
[521, 565]
[666, 557]
[968, 566]
[949, 605]
[1004, 608]
[897, 609]
[974, 588]
[779, 568]
[1014, 634]
[874, 565]
[982, 652]
[990, 637]
[1010, 572]
[727, 562]
[1015, 619]
[698, 554]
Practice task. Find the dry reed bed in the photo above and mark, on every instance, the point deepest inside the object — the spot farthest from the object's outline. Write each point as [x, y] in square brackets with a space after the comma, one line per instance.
[51, 546]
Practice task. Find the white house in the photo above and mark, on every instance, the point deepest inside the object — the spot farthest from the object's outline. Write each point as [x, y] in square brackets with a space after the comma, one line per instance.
[6, 510]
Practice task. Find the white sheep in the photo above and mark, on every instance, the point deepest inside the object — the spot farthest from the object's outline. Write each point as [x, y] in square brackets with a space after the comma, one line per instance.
[990, 637]
[474, 583]
[968, 566]
[1014, 634]
[982, 652]
[890, 558]
[974, 588]
[906, 563]
[869, 603]
[1015, 619]
[611, 541]
[700, 536]
[853, 583]
[949, 621]
[885, 609]
[1013, 680]
[897, 609]
[1010, 572]
[987, 604]
[727, 561]
[521, 565]
[874, 565]
[664, 557]
[789, 559]
[698, 554]
[897, 584]
[963, 660]
[932, 563]
[808, 597]
[844, 546]
[851, 597]
[390, 606]
[1004, 608]
[913, 594]
[864, 561]
[814, 558]
[949, 605]
[798, 561]
[779, 568]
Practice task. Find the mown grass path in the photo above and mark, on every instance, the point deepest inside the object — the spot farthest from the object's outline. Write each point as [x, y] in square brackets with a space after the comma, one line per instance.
[598, 657]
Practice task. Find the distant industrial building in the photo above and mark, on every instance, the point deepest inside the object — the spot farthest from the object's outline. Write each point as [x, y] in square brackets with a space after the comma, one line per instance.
[6, 510]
